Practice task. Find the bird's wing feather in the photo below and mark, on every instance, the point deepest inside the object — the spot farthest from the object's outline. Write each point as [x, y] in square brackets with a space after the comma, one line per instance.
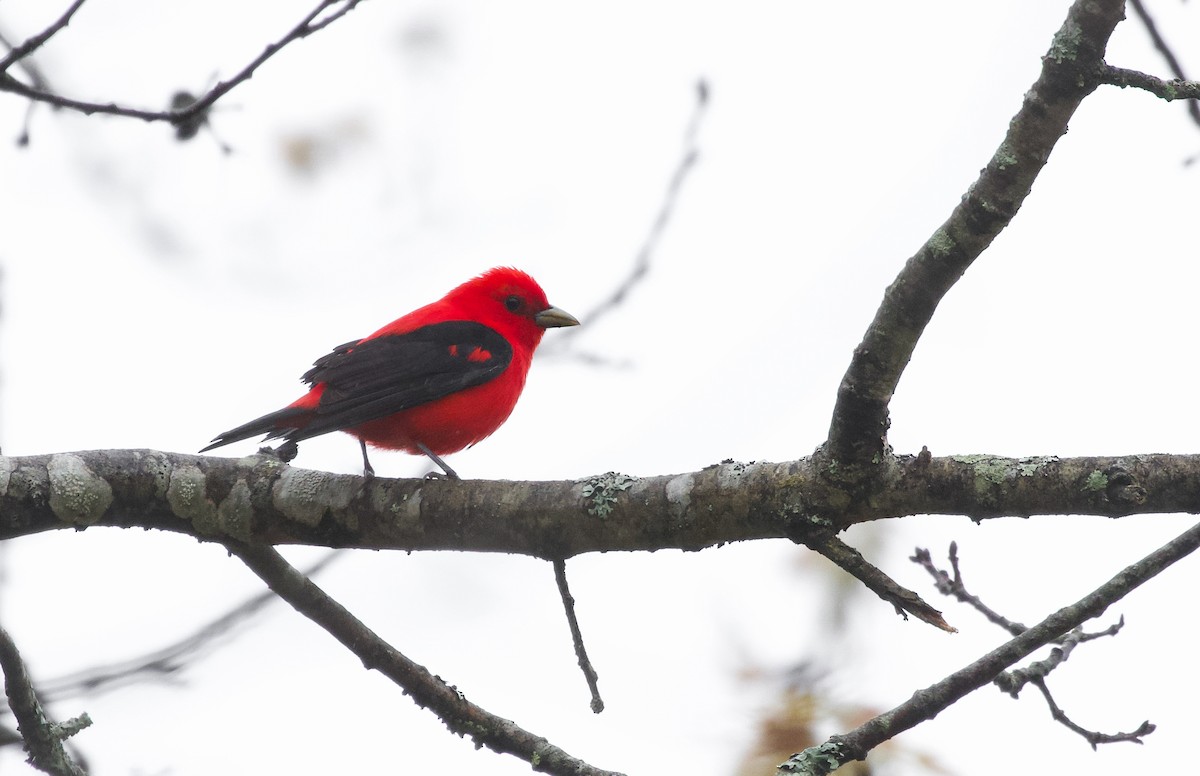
[376, 377]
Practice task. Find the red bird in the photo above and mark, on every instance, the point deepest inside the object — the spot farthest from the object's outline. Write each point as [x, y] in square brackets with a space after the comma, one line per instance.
[433, 382]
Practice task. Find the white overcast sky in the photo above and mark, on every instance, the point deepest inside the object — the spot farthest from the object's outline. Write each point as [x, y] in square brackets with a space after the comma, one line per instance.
[155, 293]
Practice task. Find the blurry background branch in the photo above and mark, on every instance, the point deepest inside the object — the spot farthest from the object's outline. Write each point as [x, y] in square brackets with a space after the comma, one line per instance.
[183, 113]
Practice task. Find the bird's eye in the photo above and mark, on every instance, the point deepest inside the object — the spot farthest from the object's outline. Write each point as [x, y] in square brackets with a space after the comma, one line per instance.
[513, 303]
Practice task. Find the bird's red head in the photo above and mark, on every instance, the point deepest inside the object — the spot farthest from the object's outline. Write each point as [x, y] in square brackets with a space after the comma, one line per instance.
[512, 303]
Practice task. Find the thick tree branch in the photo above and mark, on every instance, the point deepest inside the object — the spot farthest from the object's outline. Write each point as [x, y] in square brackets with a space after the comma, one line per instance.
[858, 429]
[928, 703]
[257, 498]
[428, 691]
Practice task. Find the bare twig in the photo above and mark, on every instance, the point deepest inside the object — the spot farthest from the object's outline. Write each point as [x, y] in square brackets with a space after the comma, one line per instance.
[31, 45]
[585, 665]
[317, 19]
[1012, 682]
[43, 738]
[1093, 737]
[928, 703]
[955, 588]
[428, 691]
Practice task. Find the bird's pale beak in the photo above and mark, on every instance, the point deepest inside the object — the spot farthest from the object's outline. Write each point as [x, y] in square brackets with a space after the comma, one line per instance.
[553, 317]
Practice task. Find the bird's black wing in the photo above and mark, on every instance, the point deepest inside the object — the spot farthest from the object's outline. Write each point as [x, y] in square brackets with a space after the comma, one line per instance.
[373, 378]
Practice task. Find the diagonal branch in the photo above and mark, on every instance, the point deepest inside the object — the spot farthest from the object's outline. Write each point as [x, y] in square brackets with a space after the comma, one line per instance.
[852, 562]
[858, 429]
[928, 703]
[428, 691]
[43, 738]
[31, 45]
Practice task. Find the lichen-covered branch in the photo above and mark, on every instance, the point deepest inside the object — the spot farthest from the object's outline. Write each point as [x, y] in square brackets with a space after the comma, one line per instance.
[258, 498]
[1174, 89]
[858, 428]
[43, 738]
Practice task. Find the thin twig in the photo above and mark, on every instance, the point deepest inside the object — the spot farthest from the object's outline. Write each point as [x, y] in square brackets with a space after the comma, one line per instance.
[585, 665]
[955, 588]
[1012, 682]
[428, 691]
[1093, 737]
[31, 45]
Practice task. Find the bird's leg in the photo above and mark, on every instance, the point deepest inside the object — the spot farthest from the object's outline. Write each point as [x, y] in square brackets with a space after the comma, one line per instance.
[450, 473]
[368, 469]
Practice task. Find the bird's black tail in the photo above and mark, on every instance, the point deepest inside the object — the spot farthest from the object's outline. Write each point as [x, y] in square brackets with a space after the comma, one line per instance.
[280, 424]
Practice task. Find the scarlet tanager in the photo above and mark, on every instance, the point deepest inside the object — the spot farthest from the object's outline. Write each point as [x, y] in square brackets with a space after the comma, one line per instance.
[433, 382]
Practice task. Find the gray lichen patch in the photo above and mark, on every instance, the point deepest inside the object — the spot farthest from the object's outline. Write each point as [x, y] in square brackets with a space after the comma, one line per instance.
[994, 475]
[679, 494]
[6, 470]
[235, 513]
[185, 494]
[405, 509]
[600, 493]
[78, 495]
[305, 496]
